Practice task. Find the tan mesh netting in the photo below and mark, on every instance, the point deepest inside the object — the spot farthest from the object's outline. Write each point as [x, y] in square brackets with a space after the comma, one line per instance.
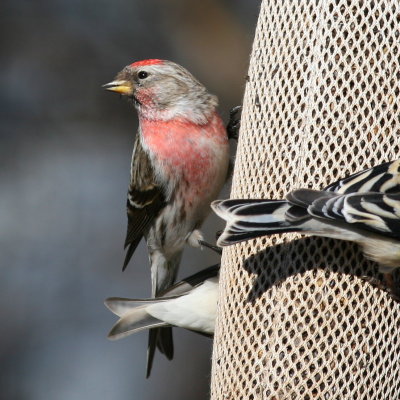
[296, 321]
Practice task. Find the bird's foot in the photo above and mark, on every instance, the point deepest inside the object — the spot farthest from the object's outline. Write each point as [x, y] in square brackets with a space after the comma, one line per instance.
[234, 122]
[210, 246]
[196, 240]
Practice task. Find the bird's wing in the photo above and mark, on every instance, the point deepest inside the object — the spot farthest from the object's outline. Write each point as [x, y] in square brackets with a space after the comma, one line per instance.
[248, 219]
[135, 321]
[134, 316]
[145, 199]
[187, 284]
[374, 212]
[121, 305]
[305, 197]
[384, 178]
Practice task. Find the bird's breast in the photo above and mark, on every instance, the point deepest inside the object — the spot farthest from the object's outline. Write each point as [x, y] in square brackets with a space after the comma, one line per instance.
[195, 156]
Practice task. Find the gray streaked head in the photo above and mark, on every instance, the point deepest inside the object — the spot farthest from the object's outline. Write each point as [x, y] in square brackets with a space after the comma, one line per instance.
[164, 90]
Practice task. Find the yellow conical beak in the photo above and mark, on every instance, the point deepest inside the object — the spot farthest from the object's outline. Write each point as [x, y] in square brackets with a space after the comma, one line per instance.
[121, 87]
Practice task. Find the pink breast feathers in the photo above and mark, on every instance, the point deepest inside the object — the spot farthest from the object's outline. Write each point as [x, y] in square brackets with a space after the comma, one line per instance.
[193, 149]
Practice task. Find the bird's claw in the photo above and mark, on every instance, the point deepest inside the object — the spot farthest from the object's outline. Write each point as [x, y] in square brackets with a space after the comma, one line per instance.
[234, 122]
[210, 246]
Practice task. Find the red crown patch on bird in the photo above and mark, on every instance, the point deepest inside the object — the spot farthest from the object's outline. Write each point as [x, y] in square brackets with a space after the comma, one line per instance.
[144, 63]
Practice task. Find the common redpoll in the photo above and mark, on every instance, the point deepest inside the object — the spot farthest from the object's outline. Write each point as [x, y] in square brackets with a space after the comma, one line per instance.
[190, 304]
[179, 165]
[363, 208]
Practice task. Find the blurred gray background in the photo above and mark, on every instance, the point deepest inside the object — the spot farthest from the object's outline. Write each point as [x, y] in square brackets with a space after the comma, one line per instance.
[65, 156]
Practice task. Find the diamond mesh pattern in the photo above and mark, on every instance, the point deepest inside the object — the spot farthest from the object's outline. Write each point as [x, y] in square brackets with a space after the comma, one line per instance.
[296, 321]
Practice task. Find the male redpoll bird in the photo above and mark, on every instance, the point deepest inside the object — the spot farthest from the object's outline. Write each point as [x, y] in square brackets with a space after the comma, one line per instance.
[364, 208]
[190, 304]
[179, 165]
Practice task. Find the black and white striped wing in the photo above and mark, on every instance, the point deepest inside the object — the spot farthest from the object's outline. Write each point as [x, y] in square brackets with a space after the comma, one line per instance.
[383, 178]
[374, 212]
[248, 219]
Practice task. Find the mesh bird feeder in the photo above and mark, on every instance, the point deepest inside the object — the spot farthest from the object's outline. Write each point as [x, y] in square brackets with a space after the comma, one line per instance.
[296, 319]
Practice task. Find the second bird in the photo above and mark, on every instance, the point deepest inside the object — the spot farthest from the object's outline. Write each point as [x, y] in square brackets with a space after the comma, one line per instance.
[363, 208]
[179, 165]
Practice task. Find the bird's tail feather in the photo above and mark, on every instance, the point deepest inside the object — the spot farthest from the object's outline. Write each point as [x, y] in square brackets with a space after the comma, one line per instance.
[162, 339]
[248, 219]
[133, 317]
[163, 274]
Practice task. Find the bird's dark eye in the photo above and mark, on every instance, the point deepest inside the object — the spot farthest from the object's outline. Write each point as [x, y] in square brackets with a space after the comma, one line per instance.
[143, 74]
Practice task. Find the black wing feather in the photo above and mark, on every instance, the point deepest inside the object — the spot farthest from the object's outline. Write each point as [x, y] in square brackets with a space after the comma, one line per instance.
[145, 199]
[383, 178]
[374, 212]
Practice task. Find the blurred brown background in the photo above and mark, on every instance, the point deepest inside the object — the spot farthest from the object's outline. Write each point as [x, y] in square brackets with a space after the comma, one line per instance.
[65, 155]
